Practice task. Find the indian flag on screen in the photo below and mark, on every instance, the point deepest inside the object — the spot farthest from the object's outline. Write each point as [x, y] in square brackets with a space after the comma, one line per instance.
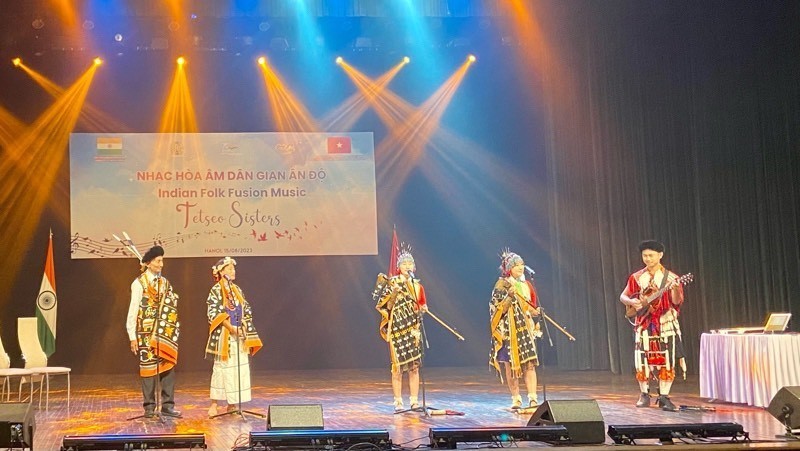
[109, 148]
[46, 304]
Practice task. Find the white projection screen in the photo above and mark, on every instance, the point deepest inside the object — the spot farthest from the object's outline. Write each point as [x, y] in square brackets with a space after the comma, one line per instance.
[211, 194]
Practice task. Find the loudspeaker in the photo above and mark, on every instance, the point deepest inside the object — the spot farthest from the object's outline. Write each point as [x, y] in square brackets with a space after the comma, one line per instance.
[581, 417]
[785, 406]
[294, 416]
[17, 424]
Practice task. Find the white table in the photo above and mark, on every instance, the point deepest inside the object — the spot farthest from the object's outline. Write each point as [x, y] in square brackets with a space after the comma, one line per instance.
[748, 368]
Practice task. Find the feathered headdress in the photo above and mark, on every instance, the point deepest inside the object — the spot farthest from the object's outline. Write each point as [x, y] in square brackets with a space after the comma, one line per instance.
[128, 244]
[508, 260]
[405, 254]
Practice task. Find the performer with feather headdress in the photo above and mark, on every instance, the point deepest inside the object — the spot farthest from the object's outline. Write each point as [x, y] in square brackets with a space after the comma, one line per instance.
[400, 300]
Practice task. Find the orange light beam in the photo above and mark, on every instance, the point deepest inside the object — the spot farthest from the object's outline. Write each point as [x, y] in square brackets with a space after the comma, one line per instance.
[177, 125]
[343, 117]
[10, 127]
[289, 113]
[409, 127]
[389, 107]
[92, 117]
[65, 11]
[31, 167]
[179, 115]
[407, 141]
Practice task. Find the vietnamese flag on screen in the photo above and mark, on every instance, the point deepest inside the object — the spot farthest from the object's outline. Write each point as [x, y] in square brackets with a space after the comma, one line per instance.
[338, 144]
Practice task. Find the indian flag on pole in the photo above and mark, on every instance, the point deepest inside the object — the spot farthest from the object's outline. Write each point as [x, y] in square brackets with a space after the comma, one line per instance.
[46, 304]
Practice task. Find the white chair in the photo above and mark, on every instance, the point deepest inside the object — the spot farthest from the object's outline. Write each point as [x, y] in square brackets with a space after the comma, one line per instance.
[6, 373]
[36, 360]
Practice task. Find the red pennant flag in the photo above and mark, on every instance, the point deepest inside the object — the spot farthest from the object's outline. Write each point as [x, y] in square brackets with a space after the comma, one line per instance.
[393, 271]
[339, 144]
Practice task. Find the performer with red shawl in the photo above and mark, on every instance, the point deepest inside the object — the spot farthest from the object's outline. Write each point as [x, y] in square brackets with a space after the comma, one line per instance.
[511, 310]
[657, 333]
[400, 301]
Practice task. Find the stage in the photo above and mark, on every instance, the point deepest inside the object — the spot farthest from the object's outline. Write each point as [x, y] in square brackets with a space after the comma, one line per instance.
[361, 399]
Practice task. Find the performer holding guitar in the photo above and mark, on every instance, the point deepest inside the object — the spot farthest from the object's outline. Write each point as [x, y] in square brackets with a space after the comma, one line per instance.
[653, 296]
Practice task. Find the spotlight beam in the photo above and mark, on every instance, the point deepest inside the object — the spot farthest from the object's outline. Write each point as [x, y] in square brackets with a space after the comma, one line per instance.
[91, 116]
[30, 169]
[289, 113]
[348, 112]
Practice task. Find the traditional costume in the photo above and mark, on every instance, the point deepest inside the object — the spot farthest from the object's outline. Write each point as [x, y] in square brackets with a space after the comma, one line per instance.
[512, 327]
[657, 335]
[153, 323]
[231, 360]
[399, 300]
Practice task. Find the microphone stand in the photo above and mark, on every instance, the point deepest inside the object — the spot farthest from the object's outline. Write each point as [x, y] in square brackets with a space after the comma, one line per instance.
[239, 330]
[545, 319]
[157, 407]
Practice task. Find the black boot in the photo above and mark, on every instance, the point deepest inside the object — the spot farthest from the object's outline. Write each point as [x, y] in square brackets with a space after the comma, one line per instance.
[644, 400]
[665, 404]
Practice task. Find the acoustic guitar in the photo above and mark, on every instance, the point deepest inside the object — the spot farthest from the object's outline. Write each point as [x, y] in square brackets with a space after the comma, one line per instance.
[649, 300]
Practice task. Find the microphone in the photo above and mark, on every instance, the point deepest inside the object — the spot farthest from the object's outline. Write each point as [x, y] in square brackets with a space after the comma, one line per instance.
[411, 273]
[530, 271]
[227, 277]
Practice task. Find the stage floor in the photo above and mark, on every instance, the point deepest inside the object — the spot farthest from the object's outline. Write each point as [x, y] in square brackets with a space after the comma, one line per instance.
[362, 399]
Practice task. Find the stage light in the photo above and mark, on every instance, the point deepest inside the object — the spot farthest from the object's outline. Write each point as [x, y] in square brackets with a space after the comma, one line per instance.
[339, 60]
[118, 37]
[37, 23]
[406, 59]
[98, 61]
[181, 61]
[262, 61]
[448, 438]
[628, 434]
[296, 440]
[16, 62]
[129, 442]
[88, 25]
[471, 58]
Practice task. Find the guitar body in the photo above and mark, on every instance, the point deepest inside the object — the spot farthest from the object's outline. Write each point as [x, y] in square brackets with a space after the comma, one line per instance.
[651, 297]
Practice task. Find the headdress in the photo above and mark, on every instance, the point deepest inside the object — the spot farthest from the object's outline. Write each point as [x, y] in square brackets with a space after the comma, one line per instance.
[508, 260]
[128, 244]
[221, 264]
[155, 251]
[405, 255]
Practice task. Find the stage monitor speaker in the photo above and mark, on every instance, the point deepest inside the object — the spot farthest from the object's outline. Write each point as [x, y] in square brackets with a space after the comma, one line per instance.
[17, 423]
[581, 417]
[785, 407]
[294, 417]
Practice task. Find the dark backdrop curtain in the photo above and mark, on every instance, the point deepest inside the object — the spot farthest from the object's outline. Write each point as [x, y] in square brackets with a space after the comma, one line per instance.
[677, 121]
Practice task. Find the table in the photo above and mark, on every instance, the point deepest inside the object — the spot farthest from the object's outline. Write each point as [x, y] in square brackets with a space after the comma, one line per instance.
[748, 368]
